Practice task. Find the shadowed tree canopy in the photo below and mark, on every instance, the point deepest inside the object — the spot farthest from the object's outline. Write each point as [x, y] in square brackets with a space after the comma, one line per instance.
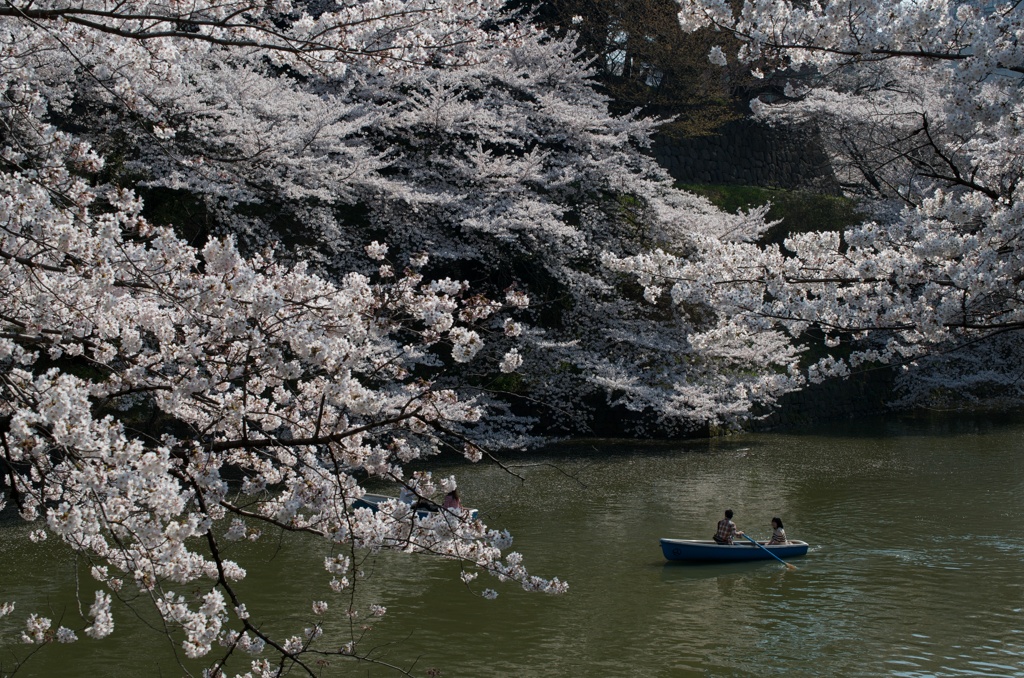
[645, 61]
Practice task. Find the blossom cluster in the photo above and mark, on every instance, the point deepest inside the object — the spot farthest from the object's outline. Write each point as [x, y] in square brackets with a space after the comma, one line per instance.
[920, 109]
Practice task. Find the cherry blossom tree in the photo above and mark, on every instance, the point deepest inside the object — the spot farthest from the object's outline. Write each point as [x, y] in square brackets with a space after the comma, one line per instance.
[922, 104]
[252, 364]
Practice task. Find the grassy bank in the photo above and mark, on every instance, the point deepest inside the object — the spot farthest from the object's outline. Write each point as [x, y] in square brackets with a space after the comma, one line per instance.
[800, 211]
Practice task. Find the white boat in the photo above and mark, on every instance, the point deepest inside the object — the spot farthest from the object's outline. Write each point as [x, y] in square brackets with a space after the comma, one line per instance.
[373, 502]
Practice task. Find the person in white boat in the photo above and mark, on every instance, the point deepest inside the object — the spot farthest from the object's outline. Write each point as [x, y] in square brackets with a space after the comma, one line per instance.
[407, 496]
[451, 500]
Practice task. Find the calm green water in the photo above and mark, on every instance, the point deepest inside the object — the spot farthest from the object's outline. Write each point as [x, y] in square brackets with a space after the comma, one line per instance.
[916, 566]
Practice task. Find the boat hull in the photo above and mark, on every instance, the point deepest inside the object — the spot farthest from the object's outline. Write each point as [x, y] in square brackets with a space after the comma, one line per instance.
[708, 551]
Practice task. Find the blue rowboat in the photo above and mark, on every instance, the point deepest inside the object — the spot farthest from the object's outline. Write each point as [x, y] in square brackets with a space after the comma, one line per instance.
[709, 551]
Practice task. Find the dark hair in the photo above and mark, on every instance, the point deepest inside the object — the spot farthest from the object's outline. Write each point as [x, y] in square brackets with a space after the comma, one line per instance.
[778, 521]
[728, 513]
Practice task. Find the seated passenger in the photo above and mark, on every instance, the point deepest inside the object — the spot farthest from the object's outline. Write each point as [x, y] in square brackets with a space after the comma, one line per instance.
[778, 533]
[451, 500]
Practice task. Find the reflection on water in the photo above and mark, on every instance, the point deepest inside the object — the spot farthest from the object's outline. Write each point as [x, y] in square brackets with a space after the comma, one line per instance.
[915, 568]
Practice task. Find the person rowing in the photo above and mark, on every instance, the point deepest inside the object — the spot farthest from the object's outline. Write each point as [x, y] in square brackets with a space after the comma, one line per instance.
[726, 532]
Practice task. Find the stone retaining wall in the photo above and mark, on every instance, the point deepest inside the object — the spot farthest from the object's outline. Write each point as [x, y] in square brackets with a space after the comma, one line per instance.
[861, 394]
[751, 154]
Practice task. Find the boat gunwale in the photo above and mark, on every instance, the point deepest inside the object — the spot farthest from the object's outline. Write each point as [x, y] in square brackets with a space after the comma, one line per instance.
[714, 544]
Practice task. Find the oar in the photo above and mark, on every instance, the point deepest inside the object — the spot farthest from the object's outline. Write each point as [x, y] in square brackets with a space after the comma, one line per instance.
[758, 545]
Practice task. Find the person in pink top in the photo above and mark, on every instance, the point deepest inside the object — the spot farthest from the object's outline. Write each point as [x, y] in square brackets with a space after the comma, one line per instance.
[451, 500]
